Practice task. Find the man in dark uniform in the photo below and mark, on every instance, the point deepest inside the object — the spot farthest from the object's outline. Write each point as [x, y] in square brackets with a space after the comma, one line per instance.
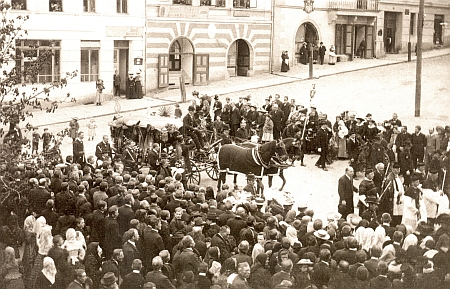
[116, 82]
[277, 117]
[103, 149]
[371, 214]
[322, 145]
[217, 106]
[78, 149]
[191, 130]
[322, 50]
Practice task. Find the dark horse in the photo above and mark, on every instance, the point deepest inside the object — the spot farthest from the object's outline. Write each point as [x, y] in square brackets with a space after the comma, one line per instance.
[266, 159]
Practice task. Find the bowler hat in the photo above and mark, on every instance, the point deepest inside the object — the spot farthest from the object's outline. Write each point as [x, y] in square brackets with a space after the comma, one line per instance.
[108, 279]
[212, 216]
[251, 177]
[199, 221]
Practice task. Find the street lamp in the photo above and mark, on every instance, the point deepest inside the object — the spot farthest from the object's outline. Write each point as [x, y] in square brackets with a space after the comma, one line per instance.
[308, 8]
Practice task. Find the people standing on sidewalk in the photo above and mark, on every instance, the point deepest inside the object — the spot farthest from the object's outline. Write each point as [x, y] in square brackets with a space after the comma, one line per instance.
[74, 126]
[116, 83]
[322, 50]
[99, 94]
[138, 85]
[130, 85]
[284, 61]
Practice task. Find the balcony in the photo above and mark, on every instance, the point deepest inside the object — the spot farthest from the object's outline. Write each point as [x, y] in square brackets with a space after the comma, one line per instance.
[365, 5]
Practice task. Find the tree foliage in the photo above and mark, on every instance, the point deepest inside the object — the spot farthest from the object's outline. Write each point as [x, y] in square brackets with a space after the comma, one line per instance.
[19, 99]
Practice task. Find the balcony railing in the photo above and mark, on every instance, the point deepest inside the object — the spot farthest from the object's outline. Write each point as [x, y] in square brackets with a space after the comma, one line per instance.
[353, 4]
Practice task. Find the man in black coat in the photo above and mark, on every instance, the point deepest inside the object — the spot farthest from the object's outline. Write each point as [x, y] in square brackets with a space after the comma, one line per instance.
[322, 271]
[322, 50]
[419, 142]
[345, 190]
[133, 280]
[130, 251]
[153, 157]
[237, 223]
[126, 214]
[113, 264]
[97, 223]
[152, 242]
[78, 149]
[286, 108]
[277, 117]
[39, 196]
[322, 144]
[221, 241]
[235, 119]
[190, 128]
[113, 239]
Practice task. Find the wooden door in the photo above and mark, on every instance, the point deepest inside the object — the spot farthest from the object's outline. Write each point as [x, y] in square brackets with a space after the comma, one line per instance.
[163, 70]
[349, 31]
[369, 42]
[201, 69]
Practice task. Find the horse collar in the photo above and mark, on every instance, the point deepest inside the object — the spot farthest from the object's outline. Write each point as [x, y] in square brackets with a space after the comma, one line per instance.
[259, 158]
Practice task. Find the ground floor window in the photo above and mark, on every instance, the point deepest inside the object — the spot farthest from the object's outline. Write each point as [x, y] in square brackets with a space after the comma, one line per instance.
[55, 6]
[89, 62]
[19, 4]
[28, 51]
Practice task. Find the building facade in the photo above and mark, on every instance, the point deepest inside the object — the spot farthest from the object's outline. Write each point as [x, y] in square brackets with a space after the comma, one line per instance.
[200, 41]
[205, 40]
[93, 37]
[398, 23]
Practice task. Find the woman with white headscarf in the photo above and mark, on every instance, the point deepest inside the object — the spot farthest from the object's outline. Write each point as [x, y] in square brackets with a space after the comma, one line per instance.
[73, 246]
[30, 247]
[410, 240]
[46, 277]
[45, 243]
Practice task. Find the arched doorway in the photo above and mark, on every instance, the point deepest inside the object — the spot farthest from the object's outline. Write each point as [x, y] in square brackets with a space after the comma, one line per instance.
[181, 61]
[238, 62]
[308, 33]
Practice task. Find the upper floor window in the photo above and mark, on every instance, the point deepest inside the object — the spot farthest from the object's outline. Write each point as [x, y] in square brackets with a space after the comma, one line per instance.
[28, 51]
[241, 3]
[89, 5]
[19, 4]
[55, 6]
[122, 6]
[184, 2]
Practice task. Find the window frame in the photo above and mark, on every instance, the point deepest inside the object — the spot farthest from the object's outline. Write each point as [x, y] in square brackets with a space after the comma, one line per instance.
[89, 8]
[90, 46]
[18, 2]
[58, 6]
[26, 45]
[120, 4]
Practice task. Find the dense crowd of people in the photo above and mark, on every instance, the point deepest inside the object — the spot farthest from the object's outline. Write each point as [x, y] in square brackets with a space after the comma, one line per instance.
[95, 223]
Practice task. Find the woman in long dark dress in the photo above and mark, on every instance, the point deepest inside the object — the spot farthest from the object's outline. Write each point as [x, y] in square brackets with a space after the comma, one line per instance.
[30, 248]
[304, 54]
[93, 263]
[284, 62]
[130, 86]
[138, 85]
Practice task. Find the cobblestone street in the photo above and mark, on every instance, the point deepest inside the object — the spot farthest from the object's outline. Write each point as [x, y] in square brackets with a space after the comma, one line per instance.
[380, 91]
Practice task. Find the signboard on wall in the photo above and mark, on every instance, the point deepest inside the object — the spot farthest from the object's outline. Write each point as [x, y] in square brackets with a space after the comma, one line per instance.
[138, 61]
[124, 31]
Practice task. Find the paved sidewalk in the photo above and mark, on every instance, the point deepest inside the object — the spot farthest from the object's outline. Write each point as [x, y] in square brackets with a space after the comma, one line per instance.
[298, 72]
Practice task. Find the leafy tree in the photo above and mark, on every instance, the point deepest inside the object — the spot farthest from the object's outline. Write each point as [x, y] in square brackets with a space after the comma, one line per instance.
[17, 102]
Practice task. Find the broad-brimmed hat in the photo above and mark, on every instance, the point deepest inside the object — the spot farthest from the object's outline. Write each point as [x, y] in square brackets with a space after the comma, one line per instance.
[305, 262]
[333, 216]
[75, 118]
[353, 220]
[322, 234]
[108, 279]
[199, 221]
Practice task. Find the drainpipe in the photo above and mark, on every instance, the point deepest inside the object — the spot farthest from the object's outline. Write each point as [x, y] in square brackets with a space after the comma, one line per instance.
[272, 29]
[144, 61]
